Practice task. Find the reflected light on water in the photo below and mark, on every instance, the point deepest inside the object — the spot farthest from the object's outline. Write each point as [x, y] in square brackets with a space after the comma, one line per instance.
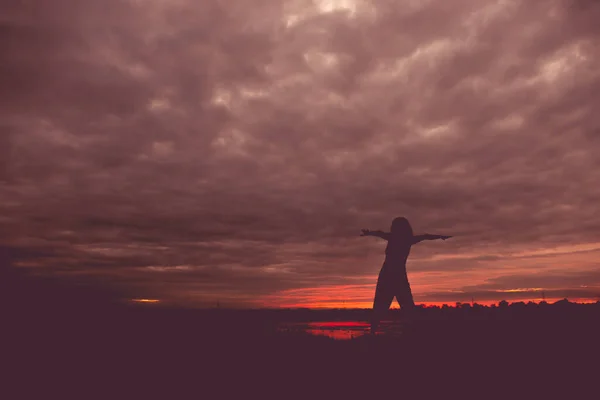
[340, 330]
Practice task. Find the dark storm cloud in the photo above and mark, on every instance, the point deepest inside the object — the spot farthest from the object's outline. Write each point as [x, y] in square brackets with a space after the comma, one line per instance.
[553, 280]
[248, 143]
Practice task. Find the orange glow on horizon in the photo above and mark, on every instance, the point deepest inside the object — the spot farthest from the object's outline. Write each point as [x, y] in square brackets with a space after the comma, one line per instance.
[361, 295]
[145, 300]
[368, 305]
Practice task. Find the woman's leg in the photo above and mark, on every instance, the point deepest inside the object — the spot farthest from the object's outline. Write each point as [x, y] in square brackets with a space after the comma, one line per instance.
[383, 299]
[405, 298]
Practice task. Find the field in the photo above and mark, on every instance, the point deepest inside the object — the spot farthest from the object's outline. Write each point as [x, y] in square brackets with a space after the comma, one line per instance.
[145, 350]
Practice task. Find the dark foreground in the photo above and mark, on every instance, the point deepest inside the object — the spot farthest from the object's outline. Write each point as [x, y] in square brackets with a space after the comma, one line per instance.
[58, 342]
[132, 352]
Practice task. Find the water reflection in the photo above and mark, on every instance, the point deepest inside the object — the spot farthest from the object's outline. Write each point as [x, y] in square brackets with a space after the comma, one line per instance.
[341, 330]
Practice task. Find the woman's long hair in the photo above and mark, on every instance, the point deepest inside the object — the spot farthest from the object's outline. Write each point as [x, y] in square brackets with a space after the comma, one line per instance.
[401, 227]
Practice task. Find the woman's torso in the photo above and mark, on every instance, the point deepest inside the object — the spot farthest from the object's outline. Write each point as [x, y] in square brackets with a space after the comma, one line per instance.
[397, 251]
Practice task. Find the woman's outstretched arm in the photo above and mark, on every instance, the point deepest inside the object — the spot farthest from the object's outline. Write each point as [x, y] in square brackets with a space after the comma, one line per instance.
[383, 235]
[427, 236]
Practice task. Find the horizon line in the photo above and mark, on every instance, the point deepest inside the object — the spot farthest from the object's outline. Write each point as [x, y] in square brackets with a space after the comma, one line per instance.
[325, 308]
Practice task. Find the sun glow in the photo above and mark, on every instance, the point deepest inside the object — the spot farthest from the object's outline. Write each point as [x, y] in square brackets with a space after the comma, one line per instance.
[145, 300]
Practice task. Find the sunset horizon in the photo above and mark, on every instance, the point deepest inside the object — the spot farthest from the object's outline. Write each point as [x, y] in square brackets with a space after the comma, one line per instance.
[359, 305]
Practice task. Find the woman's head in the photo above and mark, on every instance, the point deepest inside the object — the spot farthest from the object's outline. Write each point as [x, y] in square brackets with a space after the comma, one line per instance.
[401, 226]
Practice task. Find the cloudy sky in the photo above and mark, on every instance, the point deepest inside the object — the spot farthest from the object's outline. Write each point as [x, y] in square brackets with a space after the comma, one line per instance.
[204, 151]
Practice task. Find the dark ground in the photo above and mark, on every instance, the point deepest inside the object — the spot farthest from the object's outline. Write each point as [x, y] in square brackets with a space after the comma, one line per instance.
[65, 342]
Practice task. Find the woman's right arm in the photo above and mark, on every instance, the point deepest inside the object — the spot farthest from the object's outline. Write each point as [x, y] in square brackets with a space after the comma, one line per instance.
[381, 234]
[427, 236]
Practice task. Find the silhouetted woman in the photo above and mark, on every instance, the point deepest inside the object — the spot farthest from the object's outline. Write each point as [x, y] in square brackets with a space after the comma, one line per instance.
[393, 280]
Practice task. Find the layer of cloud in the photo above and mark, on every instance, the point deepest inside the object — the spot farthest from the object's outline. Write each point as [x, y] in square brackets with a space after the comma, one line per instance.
[233, 150]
